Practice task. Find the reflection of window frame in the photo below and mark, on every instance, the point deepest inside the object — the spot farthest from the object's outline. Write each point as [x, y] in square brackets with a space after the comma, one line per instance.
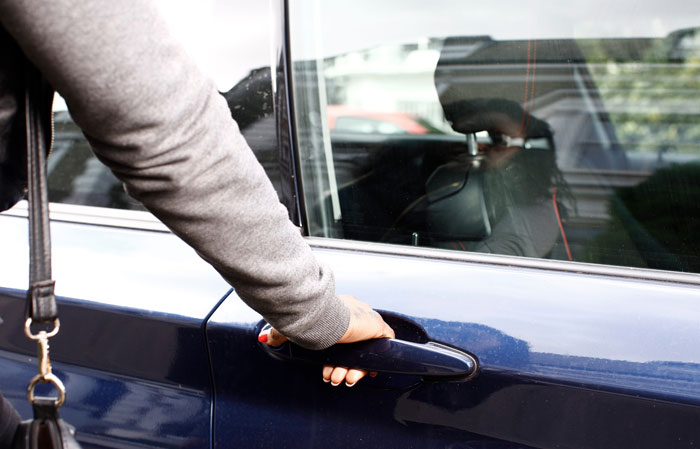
[93, 215]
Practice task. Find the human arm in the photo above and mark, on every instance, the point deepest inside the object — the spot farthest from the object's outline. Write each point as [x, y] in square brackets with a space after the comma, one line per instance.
[165, 131]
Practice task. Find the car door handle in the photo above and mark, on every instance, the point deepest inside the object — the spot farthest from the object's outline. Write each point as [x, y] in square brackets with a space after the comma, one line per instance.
[386, 355]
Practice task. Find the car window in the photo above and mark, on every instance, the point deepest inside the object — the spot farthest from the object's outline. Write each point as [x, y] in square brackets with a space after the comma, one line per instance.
[229, 41]
[527, 129]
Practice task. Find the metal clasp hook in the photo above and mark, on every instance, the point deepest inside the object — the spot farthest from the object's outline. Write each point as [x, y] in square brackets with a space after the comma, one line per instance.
[45, 375]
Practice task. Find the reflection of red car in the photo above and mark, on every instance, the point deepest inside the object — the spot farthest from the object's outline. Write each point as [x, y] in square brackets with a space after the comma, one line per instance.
[348, 119]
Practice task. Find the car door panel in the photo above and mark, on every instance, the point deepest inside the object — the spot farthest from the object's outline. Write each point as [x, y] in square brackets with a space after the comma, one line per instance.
[131, 349]
[565, 360]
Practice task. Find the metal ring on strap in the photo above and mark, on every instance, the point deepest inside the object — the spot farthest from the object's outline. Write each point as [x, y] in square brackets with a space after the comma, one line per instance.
[49, 378]
[28, 330]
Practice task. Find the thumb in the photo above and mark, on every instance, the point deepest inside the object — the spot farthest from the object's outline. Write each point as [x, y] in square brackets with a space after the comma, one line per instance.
[365, 323]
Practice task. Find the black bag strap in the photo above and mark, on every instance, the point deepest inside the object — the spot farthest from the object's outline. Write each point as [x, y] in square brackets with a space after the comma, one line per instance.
[41, 303]
[46, 430]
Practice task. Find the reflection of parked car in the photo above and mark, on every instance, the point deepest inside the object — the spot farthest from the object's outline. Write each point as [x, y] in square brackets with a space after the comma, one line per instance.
[602, 132]
[353, 120]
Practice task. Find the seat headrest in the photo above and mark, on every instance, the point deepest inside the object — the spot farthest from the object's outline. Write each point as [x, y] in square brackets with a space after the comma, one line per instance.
[492, 85]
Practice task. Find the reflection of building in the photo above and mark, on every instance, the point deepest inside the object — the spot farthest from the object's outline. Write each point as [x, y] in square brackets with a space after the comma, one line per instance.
[388, 78]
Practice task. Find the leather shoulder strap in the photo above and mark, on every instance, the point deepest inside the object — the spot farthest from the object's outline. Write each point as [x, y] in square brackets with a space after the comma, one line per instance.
[41, 303]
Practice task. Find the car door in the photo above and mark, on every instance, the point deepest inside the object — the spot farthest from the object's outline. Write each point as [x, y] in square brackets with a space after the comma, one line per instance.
[132, 298]
[541, 225]
[130, 349]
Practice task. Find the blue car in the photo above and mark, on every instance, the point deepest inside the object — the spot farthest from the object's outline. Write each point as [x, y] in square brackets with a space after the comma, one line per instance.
[535, 246]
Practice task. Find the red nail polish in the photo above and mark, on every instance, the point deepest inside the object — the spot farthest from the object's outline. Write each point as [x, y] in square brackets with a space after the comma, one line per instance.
[262, 338]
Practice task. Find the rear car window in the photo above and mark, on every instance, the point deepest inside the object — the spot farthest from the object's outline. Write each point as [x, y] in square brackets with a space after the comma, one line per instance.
[231, 45]
[535, 130]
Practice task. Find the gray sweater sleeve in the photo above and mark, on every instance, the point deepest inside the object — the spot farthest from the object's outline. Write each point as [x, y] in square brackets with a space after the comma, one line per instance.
[165, 131]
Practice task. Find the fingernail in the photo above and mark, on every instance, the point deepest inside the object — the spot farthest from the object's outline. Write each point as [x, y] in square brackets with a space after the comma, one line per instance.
[325, 380]
[349, 385]
[335, 384]
[264, 334]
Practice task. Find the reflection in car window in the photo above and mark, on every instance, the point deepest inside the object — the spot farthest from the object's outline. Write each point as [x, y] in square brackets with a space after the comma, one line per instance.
[227, 40]
[550, 132]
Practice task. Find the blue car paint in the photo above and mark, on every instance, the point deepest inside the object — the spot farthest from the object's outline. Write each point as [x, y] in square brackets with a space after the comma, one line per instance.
[135, 376]
[131, 379]
[565, 360]
[118, 411]
[150, 271]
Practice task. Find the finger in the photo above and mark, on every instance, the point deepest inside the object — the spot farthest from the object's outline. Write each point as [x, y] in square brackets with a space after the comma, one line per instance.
[338, 375]
[353, 376]
[271, 336]
[327, 371]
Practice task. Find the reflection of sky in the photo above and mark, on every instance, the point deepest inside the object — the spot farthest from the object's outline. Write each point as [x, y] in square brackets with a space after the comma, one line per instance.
[118, 411]
[230, 37]
[227, 38]
[134, 269]
[347, 26]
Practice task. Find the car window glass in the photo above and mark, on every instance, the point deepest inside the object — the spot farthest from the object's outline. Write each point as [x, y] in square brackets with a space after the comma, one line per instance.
[230, 41]
[521, 128]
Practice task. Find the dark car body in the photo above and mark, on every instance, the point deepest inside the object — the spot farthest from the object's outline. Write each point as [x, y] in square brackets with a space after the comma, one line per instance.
[597, 349]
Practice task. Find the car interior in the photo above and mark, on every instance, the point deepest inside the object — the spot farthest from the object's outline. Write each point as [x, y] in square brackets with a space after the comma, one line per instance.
[527, 119]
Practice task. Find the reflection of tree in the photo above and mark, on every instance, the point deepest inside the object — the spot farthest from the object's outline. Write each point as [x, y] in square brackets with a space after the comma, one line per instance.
[492, 345]
[650, 93]
[655, 224]
[251, 102]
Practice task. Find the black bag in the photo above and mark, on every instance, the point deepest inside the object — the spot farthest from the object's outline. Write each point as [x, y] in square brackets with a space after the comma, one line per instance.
[46, 430]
